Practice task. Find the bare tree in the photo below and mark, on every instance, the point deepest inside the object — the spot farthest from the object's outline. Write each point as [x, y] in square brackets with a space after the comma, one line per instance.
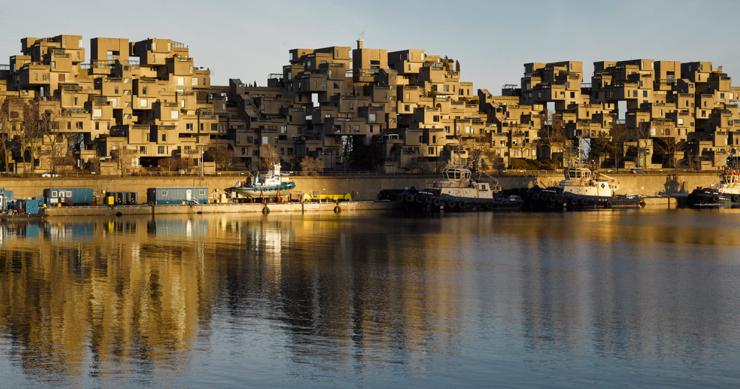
[310, 166]
[268, 156]
[125, 158]
[5, 133]
[223, 158]
[666, 147]
[37, 127]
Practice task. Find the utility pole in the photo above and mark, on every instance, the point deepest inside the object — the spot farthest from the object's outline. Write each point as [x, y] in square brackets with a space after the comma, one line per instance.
[200, 148]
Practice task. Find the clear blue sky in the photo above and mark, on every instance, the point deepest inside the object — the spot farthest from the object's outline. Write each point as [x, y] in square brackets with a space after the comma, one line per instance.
[249, 39]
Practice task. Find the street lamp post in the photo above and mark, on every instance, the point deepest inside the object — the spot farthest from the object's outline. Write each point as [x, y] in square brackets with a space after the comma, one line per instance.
[200, 147]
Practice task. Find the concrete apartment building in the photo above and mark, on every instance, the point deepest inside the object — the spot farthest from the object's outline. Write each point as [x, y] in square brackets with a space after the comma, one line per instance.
[329, 103]
[133, 104]
[144, 105]
[657, 113]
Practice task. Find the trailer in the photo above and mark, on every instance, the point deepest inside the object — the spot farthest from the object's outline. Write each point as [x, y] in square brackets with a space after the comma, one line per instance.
[325, 197]
[68, 196]
[177, 196]
[5, 197]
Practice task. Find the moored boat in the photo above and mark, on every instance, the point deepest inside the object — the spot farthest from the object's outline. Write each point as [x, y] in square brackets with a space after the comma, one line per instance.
[273, 184]
[458, 191]
[725, 194]
[580, 190]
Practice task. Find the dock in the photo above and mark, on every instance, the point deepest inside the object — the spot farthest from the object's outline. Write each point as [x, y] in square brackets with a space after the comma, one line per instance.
[247, 208]
[662, 202]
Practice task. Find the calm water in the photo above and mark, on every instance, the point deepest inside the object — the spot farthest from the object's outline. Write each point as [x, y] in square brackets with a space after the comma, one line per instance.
[480, 300]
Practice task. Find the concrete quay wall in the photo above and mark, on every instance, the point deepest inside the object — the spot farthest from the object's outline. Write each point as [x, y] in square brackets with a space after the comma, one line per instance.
[251, 208]
[361, 187]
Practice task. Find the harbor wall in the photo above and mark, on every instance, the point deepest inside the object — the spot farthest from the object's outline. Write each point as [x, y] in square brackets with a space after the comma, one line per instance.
[361, 187]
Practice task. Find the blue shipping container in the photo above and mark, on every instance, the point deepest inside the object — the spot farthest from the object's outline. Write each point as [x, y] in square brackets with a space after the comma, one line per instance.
[68, 196]
[172, 196]
[33, 206]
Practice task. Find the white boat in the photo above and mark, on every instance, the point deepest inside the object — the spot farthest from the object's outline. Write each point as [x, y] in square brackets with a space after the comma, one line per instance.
[729, 183]
[581, 182]
[581, 189]
[459, 191]
[724, 194]
[269, 185]
[459, 183]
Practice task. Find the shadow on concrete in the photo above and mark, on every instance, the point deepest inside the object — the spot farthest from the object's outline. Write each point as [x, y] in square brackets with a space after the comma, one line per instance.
[673, 186]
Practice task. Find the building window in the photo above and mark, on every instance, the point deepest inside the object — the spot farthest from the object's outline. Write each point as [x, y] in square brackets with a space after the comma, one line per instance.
[194, 81]
[79, 125]
[189, 126]
[160, 149]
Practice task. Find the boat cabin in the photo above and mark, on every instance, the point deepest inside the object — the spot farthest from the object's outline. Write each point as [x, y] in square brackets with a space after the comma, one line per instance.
[577, 173]
[457, 174]
[730, 178]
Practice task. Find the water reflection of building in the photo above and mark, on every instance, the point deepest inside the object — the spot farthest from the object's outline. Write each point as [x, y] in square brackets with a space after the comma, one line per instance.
[354, 290]
[617, 283]
[83, 304]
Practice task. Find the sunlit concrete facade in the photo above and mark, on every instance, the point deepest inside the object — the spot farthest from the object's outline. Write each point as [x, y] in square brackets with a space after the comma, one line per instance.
[408, 107]
[134, 103]
[656, 113]
[144, 105]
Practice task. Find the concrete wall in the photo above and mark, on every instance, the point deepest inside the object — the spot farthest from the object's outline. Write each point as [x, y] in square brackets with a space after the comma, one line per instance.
[361, 187]
[651, 183]
[350, 206]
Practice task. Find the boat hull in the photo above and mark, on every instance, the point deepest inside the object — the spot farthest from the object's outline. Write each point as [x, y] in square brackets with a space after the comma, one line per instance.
[712, 198]
[554, 199]
[260, 192]
[427, 202]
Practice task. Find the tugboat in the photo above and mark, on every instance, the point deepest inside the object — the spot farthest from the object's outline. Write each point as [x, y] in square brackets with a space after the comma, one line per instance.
[458, 191]
[580, 190]
[725, 194]
[273, 184]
